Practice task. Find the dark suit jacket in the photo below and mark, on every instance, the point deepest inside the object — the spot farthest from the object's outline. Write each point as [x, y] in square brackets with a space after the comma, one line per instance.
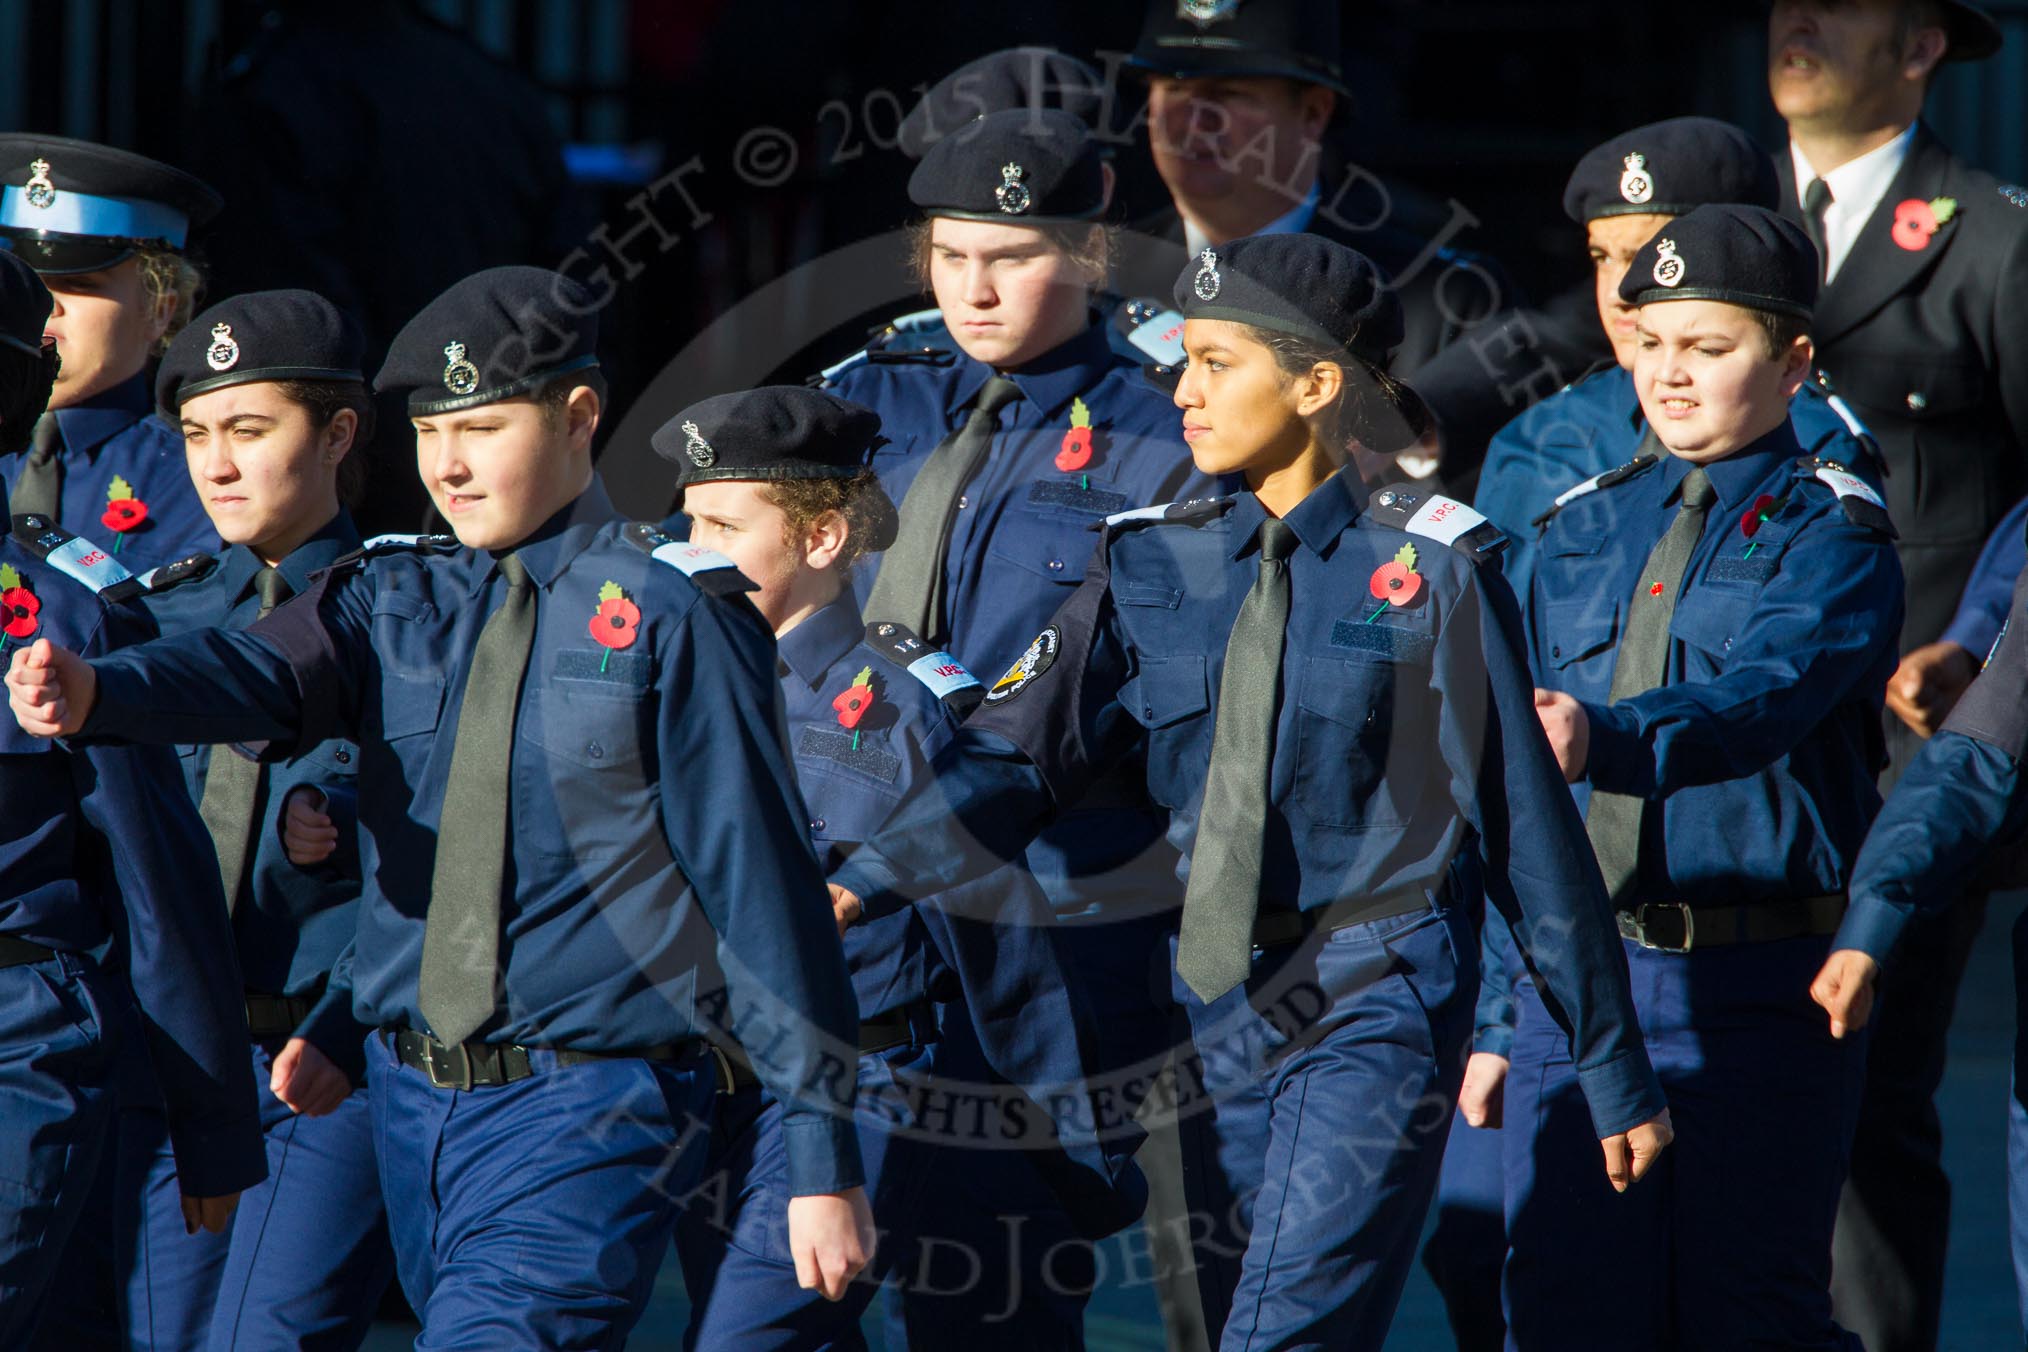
[1930, 347]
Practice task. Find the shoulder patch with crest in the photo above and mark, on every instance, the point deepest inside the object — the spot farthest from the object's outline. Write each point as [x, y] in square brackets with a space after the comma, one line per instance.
[76, 557]
[1436, 517]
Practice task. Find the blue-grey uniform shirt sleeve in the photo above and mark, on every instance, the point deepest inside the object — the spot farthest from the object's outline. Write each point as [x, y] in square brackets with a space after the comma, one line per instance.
[1540, 873]
[1813, 634]
[1982, 610]
[738, 830]
[1493, 1018]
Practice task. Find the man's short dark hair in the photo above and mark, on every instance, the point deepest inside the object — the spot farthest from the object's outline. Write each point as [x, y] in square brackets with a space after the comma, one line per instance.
[1780, 331]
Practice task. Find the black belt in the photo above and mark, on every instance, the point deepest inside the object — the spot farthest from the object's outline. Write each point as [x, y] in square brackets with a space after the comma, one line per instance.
[20, 952]
[473, 1065]
[271, 1016]
[896, 1028]
[1286, 927]
[1673, 927]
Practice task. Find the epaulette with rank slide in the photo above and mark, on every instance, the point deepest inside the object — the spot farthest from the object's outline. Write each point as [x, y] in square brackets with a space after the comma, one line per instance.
[76, 557]
[1435, 517]
[1594, 483]
[171, 575]
[943, 674]
[1195, 512]
[1152, 328]
[1861, 501]
[397, 544]
[712, 572]
[883, 350]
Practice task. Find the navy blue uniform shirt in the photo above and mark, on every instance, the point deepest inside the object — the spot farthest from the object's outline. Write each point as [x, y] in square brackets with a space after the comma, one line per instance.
[295, 921]
[117, 434]
[1982, 610]
[1022, 538]
[985, 945]
[1596, 425]
[654, 813]
[1406, 737]
[102, 851]
[1763, 742]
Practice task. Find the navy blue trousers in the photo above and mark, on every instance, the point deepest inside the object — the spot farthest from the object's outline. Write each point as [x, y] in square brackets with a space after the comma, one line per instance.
[1314, 1114]
[536, 1214]
[1727, 1242]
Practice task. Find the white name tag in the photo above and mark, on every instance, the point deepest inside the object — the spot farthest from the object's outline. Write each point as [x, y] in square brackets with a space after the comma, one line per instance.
[1444, 519]
[85, 561]
[1160, 337]
[942, 673]
[689, 559]
[1850, 486]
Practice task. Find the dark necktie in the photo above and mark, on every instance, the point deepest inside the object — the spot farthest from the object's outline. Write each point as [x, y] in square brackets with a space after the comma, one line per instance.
[40, 486]
[1214, 951]
[1614, 819]
[910, 587]
[233, 784]
[1816, 198]
[458, 987]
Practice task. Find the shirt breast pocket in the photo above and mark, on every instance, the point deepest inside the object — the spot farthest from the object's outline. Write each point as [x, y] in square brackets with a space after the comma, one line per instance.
[1577, 629]
[1709, 621]
[1169, 697]
[1361, 746]
[581, 782]
[1046, 547]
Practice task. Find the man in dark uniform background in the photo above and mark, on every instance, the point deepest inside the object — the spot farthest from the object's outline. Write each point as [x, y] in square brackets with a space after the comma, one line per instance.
[1920, 330]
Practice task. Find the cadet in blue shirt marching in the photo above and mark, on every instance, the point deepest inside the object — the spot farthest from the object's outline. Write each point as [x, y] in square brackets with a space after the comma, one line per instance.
[271, 401]
[1714, 628]
[1960, 798]
[575, 815]
[1621, 194]
[107, 868]
[106, 228]
[949, 992]
[1326, 697]
[1003, 455]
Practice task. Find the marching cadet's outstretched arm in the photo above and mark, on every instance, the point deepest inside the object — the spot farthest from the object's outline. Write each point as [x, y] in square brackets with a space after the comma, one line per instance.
[291, 680]
[1036, 744]
[1539, 869]
[1779, 678]
[1962, 795]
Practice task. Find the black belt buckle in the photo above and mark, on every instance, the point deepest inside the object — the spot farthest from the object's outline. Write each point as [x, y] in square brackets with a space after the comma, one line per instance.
[449, 1067]
[1685, 924]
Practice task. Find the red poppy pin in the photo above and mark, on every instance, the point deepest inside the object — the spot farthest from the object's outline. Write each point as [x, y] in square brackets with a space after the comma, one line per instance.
[18, 607]
[123, 511]
[617, 621]
[1076, 451]
[1395, 583]
[1915, 221]
[1765, 508]
[854, 702]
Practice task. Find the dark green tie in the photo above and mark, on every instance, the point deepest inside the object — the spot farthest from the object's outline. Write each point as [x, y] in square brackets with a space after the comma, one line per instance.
[1614, 819]
[910, 587]
[233, 784]
[457, 990]
[1214, 952]
[41, 483]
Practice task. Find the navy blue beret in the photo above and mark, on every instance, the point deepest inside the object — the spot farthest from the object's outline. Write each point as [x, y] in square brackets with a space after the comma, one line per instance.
[498, 334]
[1288, 39]
[773, 433]
[1974, 34]
[1668, 168]
[24, 306]
[1741, 255]
[1020, 77]
[75, 206]
[1301, 284]
[1024, 166]
[261, 335]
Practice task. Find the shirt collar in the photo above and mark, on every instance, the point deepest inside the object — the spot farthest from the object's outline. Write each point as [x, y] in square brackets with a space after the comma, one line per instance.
[1049, 382]
[104, 415]
[1739, 474]
[813, 647]
[1857, 185]
[1294, 221]
[1318, 519]
[549, 549]
[337, 537]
